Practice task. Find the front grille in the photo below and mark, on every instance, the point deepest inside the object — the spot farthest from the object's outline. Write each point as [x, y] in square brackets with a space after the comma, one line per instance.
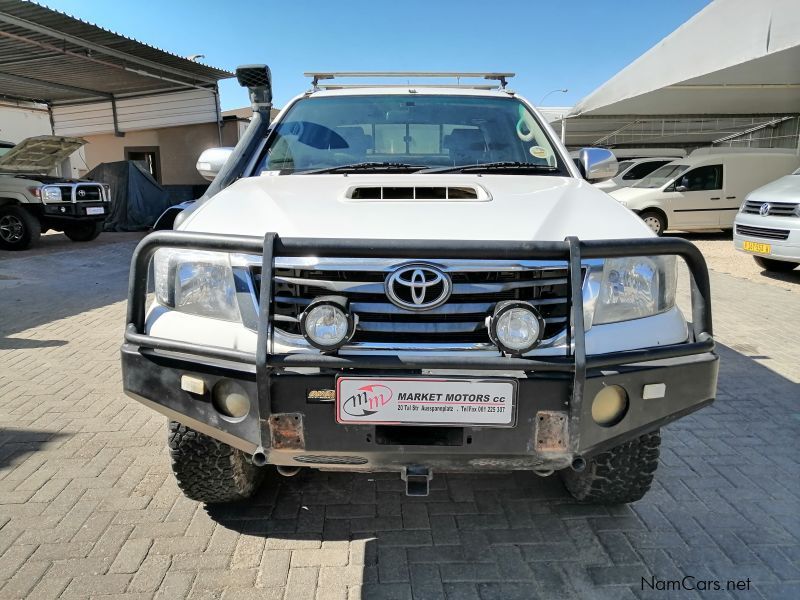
[88, 193]
[776, 209]
[476, 289]
[763, 232]
[91, 193]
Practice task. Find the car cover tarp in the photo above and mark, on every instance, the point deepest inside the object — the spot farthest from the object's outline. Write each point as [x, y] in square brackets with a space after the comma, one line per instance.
[137, 199]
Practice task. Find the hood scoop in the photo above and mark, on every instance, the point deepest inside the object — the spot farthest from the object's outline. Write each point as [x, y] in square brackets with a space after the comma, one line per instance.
[406, 193]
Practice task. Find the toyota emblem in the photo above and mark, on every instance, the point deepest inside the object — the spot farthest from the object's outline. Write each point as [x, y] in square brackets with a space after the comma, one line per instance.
[764, 210]
[81, 193]
[418, 286]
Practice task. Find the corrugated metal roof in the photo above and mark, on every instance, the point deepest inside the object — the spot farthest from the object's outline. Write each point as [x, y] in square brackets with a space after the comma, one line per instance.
[50, 56]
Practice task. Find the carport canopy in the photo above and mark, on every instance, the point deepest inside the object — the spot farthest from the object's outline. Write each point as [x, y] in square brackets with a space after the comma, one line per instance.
[731, 71]
[49, 57]
[733, 57]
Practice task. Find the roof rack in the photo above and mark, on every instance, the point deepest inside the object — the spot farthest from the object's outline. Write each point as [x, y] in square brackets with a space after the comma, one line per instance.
[501, 78]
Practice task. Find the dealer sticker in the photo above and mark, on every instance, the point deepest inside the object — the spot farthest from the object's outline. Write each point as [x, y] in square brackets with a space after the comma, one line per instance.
[425, 401]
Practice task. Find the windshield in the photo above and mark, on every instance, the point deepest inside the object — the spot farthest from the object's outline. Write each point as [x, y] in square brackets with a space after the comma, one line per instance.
[661, 176]
[409, 130]
[623, 166]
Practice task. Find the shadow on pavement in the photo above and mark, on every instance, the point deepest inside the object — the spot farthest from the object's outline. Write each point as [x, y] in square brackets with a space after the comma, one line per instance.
[17, 444]
[10, 343]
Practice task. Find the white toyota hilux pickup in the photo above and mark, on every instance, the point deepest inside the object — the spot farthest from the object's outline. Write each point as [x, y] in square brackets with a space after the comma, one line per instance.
[413, 279]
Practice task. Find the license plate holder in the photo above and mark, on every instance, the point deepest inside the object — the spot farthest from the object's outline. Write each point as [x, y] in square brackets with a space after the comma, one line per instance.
[757, 247]
[455, 401]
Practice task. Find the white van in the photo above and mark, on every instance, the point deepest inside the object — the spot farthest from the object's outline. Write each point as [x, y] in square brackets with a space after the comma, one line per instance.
[632, 171]
[768, 225]
[705, 189]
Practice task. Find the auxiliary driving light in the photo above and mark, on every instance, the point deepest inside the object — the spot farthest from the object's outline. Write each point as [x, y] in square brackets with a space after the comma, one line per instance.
[609, 406]
[516, 327]
[230, 399]
[327, 323]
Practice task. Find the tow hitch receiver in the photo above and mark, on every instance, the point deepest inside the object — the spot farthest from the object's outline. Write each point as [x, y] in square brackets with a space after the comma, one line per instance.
[417, 480]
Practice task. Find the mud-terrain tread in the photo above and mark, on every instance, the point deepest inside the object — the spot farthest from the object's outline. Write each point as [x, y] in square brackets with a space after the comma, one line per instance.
[208, 470]
[618, 476]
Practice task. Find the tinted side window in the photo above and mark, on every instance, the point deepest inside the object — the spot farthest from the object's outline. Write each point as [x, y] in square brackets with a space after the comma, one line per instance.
[702, 178]
[644, 169]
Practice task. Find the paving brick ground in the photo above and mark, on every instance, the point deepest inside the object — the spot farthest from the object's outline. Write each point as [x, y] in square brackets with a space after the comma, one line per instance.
[89, 508]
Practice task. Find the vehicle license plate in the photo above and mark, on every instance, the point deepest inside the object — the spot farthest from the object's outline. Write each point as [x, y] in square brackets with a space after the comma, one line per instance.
[757, 247]
[95, 210]
[426, 401]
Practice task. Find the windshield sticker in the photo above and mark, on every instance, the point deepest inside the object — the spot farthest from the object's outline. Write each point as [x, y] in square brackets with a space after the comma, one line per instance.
[538, 152]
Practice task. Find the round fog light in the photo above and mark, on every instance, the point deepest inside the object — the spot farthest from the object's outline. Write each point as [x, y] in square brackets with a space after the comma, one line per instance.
[326, 324]
[609, 406]
[516, 327]
[230, 399]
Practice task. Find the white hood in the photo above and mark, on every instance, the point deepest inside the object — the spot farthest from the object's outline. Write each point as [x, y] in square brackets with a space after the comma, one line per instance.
[785, 189]
[517, 208]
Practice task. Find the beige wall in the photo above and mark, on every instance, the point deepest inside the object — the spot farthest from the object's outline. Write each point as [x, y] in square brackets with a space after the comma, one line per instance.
[179, 148]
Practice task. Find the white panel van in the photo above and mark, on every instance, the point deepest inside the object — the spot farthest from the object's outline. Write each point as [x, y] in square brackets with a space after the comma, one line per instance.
[703, 190]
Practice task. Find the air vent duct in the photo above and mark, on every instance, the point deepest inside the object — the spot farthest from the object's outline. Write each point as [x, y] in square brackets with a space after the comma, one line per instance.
[389, 193]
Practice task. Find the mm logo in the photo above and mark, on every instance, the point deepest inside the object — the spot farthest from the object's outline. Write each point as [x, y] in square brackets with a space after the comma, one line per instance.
[367, 400]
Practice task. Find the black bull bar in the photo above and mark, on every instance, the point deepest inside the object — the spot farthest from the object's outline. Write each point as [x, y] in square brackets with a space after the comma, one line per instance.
[572, 250]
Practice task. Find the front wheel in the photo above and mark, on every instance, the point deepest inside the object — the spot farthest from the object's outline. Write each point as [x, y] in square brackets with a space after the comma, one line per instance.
[18, 228]
[618, 476]
[655, 221]
[84, 232]
[770, 264]
[208, 470]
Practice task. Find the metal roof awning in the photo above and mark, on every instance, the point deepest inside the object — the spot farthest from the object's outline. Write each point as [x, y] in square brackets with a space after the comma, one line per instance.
[50, 57]
[733, 57]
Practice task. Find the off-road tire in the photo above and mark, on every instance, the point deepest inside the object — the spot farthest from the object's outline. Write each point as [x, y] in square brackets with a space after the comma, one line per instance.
[21, 229]
[84, 232]
[208, 470]
[778, 266]
[618, 476]
[653, 217]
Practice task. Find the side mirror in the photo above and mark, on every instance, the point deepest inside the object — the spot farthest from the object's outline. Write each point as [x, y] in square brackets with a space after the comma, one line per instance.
[211, 162]
[598, 163]
[681, 188]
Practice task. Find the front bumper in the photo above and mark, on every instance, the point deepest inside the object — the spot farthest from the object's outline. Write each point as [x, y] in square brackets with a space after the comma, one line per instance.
[292, 419]
[788, 249]
[69, 213]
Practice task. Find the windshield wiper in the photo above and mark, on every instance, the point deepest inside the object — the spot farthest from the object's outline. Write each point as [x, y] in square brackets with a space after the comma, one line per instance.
[365, 166]
[508, 166]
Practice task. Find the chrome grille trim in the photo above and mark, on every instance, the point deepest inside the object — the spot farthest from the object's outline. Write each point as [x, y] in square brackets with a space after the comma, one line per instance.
[458, 325]
[776, 209]
[763, 232]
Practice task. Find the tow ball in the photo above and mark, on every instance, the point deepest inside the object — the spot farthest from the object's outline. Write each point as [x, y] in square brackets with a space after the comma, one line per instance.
[417, 480]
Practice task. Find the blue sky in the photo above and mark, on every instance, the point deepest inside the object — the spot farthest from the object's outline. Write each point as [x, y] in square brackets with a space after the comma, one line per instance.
[549, 44]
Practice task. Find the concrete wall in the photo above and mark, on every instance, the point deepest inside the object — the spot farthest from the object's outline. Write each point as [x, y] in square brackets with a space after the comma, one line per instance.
[18, 123]
[179, 148]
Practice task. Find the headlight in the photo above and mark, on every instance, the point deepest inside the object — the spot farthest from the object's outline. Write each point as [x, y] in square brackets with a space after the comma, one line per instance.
[196, 282]
[51, 194]
[515, 327]
[327, 324]
[635, 287]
